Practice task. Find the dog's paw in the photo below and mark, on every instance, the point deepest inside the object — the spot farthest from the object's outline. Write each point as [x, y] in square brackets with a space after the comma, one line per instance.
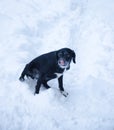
[64, 93]
[36, 92]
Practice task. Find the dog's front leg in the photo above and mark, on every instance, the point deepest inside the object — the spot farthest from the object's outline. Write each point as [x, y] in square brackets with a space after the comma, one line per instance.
[38, 85]
[60, 81]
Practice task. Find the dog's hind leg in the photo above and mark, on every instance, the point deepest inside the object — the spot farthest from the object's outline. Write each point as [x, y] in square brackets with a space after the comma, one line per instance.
[45, 84]
[46, 78]
[25, 71]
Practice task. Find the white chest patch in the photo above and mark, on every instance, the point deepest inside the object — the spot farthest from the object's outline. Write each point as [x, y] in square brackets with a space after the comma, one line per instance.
[60, 74]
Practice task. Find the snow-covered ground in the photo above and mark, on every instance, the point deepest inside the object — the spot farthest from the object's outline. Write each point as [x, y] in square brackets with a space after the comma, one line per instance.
[29, 28]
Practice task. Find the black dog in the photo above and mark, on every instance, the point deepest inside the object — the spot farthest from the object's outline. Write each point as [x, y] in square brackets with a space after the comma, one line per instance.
[49, 66]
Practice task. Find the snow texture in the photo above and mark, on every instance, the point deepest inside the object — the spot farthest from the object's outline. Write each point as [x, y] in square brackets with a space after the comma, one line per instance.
[29, 28]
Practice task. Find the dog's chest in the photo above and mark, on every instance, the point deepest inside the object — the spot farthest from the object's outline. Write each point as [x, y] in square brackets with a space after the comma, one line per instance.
[60, 74]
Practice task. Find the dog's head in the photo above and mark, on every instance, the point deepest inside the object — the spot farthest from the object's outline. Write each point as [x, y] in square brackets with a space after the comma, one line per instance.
[64, 57]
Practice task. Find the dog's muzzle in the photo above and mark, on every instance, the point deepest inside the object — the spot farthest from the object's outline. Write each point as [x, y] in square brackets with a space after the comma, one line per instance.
[63, 63]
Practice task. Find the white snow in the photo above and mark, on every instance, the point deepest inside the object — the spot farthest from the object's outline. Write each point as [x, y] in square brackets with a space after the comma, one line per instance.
[29, 28]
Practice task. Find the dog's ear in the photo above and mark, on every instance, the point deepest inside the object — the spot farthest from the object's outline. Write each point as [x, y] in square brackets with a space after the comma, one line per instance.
[73, 56]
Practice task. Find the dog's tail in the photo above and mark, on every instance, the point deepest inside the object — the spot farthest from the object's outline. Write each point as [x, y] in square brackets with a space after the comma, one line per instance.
[25, 71]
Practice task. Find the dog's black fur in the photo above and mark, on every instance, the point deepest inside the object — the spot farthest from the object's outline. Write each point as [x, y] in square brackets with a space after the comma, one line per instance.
[48, 66]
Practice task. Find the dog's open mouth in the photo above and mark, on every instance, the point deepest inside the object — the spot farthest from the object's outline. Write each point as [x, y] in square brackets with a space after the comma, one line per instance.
[63, 63]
